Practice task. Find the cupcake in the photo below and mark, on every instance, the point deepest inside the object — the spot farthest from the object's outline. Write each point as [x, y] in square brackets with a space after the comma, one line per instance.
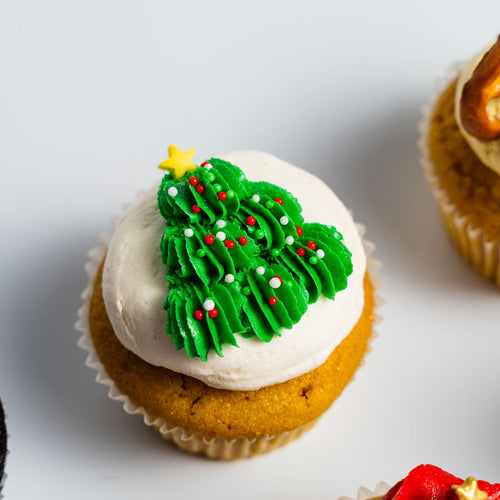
[227, 311]
[3, 447]
[428, 482]
[460, 143]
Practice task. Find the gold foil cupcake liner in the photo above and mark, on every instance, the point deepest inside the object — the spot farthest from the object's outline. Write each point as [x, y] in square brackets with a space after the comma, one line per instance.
[470, 240]
[219, 448]
[380, 490]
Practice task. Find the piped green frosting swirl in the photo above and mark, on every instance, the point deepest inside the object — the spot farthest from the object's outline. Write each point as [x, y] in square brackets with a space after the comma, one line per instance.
[309, 261]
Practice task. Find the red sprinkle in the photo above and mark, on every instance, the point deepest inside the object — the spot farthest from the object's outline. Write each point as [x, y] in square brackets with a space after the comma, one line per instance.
[301, 252]
[196, 209]
[213, 313]
[299, 230]
[204, 164]
[279, 277]
[198, 315]
[200, 188]
[222, 195]
[209, 239]
[311, 245]
[242, 240]
[229, 243]
[273, 301]
[251, 220]
[193, 181]
[278, 200]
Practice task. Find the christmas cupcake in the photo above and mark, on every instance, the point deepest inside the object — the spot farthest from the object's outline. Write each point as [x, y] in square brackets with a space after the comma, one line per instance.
[3, 447]
[427, 482]
[225, 311]
[461, 156]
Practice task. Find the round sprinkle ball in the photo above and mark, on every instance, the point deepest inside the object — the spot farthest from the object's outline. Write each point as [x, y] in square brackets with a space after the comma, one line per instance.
[188, 232]
[198, 315]
[208, 305]
[251, 220]
[209, 239]
[200, 252]
[320, 253]
[242, 240]
[301, 252]
[278, 200]
[221, 235]
[222, 195]
[289, 240]
[246, 290]
[299, 230]
[196, 209]
[275, 252]
[260, 270]
[213, 313]
[313, 260]
[273, 301]
[311, 245]
[220, 223]
[200, 189]
[172, 191]
[256, 198]
[284, 220]
[193, 181]
[229, 244]
[259, 234]
[275, 282]
[229, 278]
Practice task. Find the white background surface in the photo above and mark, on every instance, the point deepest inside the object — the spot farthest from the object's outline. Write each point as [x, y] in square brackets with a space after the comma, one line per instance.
[91, 94]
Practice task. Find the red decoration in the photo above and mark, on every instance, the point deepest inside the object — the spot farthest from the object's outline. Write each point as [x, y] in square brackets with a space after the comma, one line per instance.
[200, 188]
[273, 301]
[196, 209]
[311, 245]
[299, 230]
[301, 252]
[279, 277]
[193, 181]
[251, 220]
[222, 195]
[198, 315]
[204, 164]
[278, 200]
[209, 239]
[242, 240]
[229, 243]
[213, 313]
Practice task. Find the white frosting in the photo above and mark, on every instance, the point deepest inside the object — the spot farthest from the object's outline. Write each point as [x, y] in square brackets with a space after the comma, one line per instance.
[135, 289]
[487, 151]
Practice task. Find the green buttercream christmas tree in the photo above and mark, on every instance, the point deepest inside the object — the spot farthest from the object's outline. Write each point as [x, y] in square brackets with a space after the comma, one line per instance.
[241, 260]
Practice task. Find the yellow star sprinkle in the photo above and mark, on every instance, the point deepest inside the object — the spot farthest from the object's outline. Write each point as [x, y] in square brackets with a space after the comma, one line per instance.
[470, 490]
[178, 162]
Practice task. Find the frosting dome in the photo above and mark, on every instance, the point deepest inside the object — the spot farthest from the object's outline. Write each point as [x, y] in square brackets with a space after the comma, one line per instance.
[134, 289]
[488, 151]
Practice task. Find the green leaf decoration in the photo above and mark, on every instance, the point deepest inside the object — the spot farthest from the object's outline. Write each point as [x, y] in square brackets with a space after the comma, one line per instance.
[241, 260]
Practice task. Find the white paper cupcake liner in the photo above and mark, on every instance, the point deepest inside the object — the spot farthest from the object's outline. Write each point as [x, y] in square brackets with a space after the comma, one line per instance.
[470, 240]
[381, 489]
[196, 443]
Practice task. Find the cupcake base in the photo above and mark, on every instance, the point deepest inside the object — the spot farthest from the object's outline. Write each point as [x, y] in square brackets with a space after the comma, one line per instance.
[467, 192]
[239, 437]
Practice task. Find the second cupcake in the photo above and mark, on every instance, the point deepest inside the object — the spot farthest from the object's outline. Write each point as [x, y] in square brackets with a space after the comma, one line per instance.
[460, 143]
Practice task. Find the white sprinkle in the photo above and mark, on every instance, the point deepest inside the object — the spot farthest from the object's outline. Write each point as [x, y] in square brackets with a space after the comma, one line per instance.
[274, 282]
[284, 220]
[221, 235]
[188, 232]
[256, 198]
[260, 270]
[220, 223]
[172, 191]
[229, 278]
[208, 305]
[320, 253]
[289, 240]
